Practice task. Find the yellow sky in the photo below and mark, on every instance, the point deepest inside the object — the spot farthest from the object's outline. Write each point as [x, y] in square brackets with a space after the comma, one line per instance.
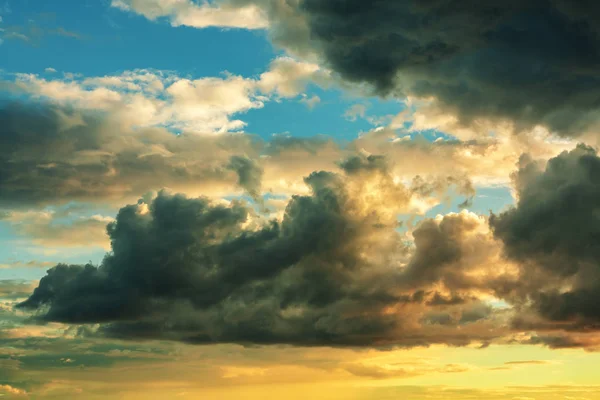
[233, 372]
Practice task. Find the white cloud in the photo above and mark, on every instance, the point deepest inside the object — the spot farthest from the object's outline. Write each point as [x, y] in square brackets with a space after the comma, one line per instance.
[355, 111]
[189, 13]
[142, 98]
[311, 102]
[288, 77]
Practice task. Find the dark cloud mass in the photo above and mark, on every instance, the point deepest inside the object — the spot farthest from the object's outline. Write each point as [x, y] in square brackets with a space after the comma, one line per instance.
[554, 233]
[187, 268]
[249, 174]
[531, 62]
[331, 272]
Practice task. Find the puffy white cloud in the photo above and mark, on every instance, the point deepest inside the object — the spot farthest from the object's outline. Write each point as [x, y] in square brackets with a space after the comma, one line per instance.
[189, 13]
[142, 98]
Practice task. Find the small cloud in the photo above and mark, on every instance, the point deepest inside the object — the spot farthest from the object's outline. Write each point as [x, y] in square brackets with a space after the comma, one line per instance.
[60, 31]
[355, 111]
[16, 35]
[11, 390]
[527, 362]
[310, 102]
[230, 372]
[50, 70]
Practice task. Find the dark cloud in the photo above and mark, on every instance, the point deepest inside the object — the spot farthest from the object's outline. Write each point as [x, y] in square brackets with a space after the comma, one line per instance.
[553, 232]
[439, 300]
[447, 250]
[249, 175]
[556, 341]
[187, 268]
[475, 313]
[532, 62]
[330, 273]
[359, 163]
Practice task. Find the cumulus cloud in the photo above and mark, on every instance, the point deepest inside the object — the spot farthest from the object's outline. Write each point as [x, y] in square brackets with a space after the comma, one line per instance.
[331, 268]
[333, 271]
[552, 232]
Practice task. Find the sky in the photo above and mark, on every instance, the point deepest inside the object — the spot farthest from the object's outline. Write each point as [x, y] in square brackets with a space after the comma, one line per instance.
[268, 199]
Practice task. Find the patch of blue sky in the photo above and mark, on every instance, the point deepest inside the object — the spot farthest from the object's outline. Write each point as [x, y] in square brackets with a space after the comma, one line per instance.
[486, 200]
[326, 117]
[93, 39]
[17, 252]
[498, 304]
[431, 135]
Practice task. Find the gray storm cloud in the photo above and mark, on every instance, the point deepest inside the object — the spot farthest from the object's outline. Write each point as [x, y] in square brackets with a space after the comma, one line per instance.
[528, 62]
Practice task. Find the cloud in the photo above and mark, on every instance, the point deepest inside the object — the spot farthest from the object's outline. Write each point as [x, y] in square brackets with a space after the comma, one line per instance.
[500, 61]
[552, 233]
[333, 271]
[484, 161]
[33, 34]
[476, 72]
[144, 98]
[48, 228]
[249, 175]
[355, 111]
[55, 154]
[188, 13]
[527, 362]
[14, 289]
[52, 155]
[311, 102]
[27, 264]
[12, 391]
[60, 31]
[399, 370]
[287, 77]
